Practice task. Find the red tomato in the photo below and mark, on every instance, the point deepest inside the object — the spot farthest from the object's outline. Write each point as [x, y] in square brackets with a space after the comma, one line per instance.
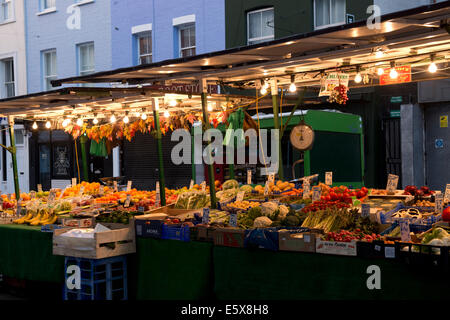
[365, 190]
[360, 194]
[446, 214]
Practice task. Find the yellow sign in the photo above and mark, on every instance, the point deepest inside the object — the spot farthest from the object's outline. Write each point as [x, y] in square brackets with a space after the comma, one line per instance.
[444, 121]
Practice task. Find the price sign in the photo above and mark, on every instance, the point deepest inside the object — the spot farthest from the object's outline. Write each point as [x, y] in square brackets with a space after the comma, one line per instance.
[329, 178]
[115, 186]
[266, 188]
[271, 177]
[306, 189]
[365, 210]
[192, 184]
[439, 202]
[249, 176]
[158, 195]
[447, 192]
[33, 194]
[317, 192]
[129, 185]
[39, 186]
[392, 183]
[1, 203]
[203, 186]
[233, 220]
[141, 209]
[51, 196]
[101, 189]
[405, 231]
[389, 252]
[127, 201]
[9, 196]
[19, 208]
[81, 191]
[74, 182]
[240, 196]
[205, 217]
[62, 193]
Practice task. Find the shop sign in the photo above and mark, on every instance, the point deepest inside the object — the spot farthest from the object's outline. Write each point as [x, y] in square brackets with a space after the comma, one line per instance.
[404, 76]
[439, 143]
[184, 88]
[395, 114]
[331, 81]
[397, 100]
[444, 121]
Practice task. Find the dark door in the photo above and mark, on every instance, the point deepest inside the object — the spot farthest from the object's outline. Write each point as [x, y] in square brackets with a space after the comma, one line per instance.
[45, 166]
[392, 140]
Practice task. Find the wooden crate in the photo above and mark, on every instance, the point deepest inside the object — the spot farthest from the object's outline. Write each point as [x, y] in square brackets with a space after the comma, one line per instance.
[123, 239]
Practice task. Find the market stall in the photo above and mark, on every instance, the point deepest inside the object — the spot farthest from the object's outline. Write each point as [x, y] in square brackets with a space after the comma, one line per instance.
[231, 239]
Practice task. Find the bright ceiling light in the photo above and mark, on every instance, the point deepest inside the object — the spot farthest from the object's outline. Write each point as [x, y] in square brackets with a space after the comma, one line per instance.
[292, 87]
[166, 113]
[126, 119]
[432, 68]
[380, 71]
[144, 116]
[358, 78]
[48, 125]
[79, 122]
[112, 119]
[35, 126]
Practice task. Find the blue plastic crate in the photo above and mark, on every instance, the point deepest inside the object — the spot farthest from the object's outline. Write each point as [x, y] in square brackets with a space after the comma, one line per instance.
[386, 218]
[50, 227]
[176, 232]
[267, 238]
[101, 279]
[149, 228]
[416, 228]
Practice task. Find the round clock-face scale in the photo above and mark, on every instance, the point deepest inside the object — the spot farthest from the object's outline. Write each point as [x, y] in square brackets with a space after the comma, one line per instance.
[302, 137]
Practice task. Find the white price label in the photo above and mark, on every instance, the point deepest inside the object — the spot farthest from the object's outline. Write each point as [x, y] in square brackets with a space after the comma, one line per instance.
[271, 177]
[39, 187]
[240, 196]
[233, 220]
[81, 191]
[33, 194]
[249, 176]
[447, 192]
[51, 196]
[439, 202]
[392, 183]
[306, 189]
[19, 208]
[329, 178]
[101, 190]
[205, 217]
[191, 185]
[306, 238]
[1, 203]
[365, 210]
[74, 182]
[115, 186]
[129, 185]
[158, 195]
[266, 188]
[389, 252]
[316, 193]
[405, 231]
[203, 186]
[127, 201]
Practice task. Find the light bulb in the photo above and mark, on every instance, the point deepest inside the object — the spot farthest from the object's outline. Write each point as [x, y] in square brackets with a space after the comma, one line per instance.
[166, 114]
[379, 54]
[48, 125]
[112, 119]
[138, 114]
[292, 87]
[358, 78]
[79, 122]
[95, 121]
[393, 74]
[432, 68]
[126, 119]
[209, 108]
[65, 123]
[263, 90]
[144, 116]
[173, 103]
[35, 126]
[380, 71]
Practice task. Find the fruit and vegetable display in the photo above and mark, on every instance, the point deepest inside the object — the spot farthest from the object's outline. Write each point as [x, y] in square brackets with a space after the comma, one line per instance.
[419, 192]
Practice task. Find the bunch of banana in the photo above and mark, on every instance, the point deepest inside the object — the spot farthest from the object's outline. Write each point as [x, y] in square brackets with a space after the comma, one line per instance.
[28, 216]
[43, 217]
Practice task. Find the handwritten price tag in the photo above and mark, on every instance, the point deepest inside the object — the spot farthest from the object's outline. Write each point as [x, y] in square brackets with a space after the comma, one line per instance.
[365, 210]
[447, 192]
[271, 177]
[306, 189]
[439, 202]
[240, 196]
[249, 176]
[233, 219]
[33, 194]
[81, 191]
[129, 185]
[115, 186]
[158, 195]
[329, 178]
[39, 187]
[317, 192]
[205, 217]
[266, 188]
[392, 183]
[127, 201]
[51, 196]
[203, 186]
[191, 185]
[74, 182]
[405, 231]
[101, 190]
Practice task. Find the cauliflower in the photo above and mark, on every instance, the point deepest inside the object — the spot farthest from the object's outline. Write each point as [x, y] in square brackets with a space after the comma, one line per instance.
[283, 212]
[230, 184]
[262, 222]
[267, 208]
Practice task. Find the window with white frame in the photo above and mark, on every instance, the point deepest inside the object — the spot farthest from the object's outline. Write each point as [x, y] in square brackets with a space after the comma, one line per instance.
[6, 10]
[50, 71]
[144, 47]
[47, 4]
[7, 78]
[86, 58]
[329, 13]
[187, 40]
[260, 26]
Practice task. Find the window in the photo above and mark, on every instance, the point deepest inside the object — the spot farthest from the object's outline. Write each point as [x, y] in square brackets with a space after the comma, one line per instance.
[49, 68]
[187, 40]
[7, 78]
[47, 4]
[260, 26]
[144, 47]
[6, 10]
[86, 59]
[329, 13]
[19, 137]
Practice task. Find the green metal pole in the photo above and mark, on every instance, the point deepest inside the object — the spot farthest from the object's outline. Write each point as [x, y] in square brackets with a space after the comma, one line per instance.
[194, 173]
[212, 185]
[162, 181]
[84, 140]
[231, 165]
[274, 88]
[14, 157]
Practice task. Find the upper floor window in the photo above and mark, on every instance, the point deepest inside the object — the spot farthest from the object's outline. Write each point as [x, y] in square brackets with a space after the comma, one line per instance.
[6, 10]
[47, 4]
[329, 13]
[49, 68]
[86, 59]
[144, 47]
[7, 78]
[260, 26]
[187, 40]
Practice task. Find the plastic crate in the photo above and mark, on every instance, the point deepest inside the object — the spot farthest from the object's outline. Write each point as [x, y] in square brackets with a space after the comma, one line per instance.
[423, 255]
[176, 232]
[420, 226]
[50, 227]
[370, 250]
[101, 279]
[149, 228]
[267, 238]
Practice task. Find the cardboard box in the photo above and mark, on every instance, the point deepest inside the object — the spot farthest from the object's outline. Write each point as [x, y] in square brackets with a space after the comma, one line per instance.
[337, 248]
[79, 223]
[300, 242]
[229, 237]
[202, 233]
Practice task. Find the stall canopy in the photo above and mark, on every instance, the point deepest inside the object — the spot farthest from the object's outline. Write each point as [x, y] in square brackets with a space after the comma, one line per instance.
[415, 37]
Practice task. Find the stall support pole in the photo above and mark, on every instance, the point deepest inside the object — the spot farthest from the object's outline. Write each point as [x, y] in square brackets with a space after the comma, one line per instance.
[276, 123]
[13, 151]
[212, 185]
[162, 181]
[194, 172]
[83, 141]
